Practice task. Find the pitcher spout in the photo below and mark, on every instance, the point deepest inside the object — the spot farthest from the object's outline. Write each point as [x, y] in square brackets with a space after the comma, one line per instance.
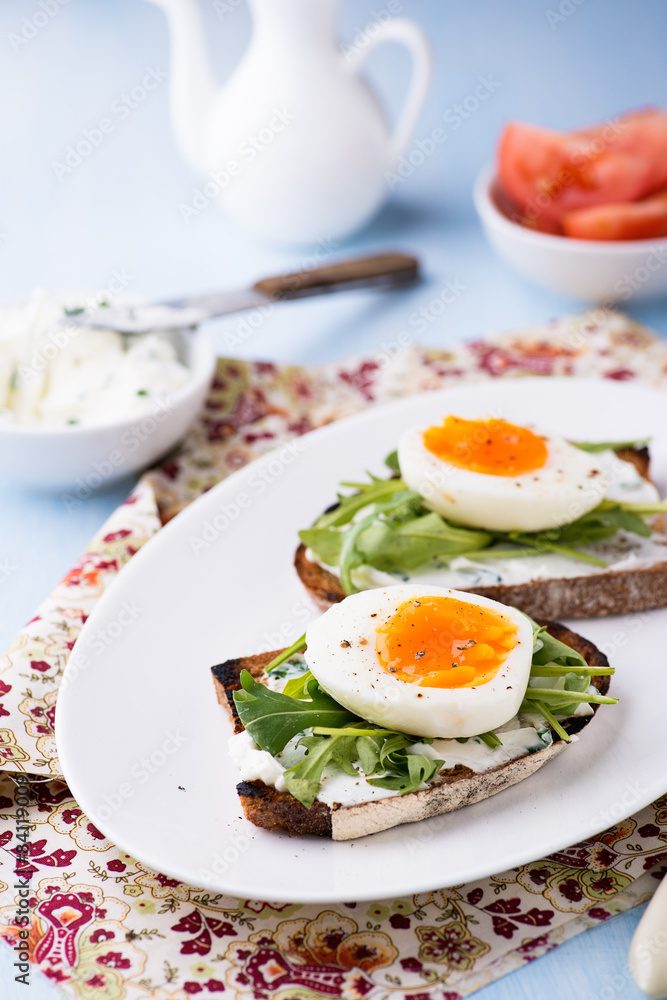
[191, 82]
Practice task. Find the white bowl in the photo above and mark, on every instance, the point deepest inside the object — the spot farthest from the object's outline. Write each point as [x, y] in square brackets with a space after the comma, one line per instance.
[79, 460]
[594, 270]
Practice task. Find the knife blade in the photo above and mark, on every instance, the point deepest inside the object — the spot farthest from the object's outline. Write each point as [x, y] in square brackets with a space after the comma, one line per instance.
[390, 270]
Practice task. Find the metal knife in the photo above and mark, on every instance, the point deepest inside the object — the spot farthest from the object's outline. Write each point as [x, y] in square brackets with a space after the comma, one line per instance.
[390, 270]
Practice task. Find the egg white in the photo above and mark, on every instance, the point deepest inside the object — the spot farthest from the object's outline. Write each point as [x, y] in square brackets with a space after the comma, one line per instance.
[348, 668]
[568, 485]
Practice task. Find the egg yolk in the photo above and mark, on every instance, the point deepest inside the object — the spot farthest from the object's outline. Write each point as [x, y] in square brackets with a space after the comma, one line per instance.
[494, 447]
[444, 642]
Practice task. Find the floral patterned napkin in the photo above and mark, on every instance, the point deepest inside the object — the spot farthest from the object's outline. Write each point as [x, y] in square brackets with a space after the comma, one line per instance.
[102, 925]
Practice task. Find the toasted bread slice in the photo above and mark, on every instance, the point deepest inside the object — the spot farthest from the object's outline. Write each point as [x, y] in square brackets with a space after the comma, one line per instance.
[591, 595]
[451, 788]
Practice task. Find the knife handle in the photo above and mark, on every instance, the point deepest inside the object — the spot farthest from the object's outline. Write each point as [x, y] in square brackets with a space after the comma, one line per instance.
[387, 270]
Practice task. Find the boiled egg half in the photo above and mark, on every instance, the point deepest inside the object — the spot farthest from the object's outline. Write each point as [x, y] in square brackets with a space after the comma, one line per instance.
[427, 661]
[492, 474]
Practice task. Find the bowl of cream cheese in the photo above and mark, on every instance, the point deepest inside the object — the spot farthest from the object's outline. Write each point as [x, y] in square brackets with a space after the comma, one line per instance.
[80, 407]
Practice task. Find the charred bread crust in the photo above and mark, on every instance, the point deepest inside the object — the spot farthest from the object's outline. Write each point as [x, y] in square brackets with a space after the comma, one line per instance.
[262, 804]
[270, 809]
[455, 787]
[227, 679]
[323, 586]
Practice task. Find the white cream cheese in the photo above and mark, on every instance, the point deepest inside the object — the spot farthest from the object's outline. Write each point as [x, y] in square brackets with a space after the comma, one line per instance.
[341, 788]
[254, 763]
[476, 755]
[55, 374]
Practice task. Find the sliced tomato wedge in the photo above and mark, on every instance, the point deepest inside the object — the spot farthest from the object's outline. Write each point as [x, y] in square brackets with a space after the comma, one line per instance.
[548, 173]
[636, 220]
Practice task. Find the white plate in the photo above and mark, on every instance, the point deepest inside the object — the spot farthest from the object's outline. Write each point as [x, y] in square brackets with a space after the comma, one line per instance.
[200, 605]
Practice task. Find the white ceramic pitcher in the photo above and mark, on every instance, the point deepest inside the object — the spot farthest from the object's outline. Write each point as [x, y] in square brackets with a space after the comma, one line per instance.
[295, 146]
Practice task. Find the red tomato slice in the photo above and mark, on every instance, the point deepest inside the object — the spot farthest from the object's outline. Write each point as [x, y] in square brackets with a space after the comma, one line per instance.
[637, 220]
[548, 173]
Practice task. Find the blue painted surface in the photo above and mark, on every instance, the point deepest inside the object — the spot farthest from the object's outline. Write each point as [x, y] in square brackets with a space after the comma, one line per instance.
[119, 212]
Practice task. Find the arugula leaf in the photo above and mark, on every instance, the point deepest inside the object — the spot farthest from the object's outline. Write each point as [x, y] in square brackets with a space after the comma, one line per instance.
[296, 647]
[304, 780]
[325, 543]
[607, 514]
[391, 461]
[412, 770]
[412, 543]
[350, 556]
[557, 670]
[273, 719]
[377, 491]
[537, 706]
[368, 752]
[597, 446]
[600, 523]
[565, 702]
[541, 543]
[548, 649]
[644, 509]
[297, 687]
[492, 741]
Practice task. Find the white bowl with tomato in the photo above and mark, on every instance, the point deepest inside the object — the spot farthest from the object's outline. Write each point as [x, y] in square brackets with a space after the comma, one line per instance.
[582, 213]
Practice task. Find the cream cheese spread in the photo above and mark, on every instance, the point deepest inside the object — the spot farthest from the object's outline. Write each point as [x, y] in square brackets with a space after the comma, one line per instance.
[57, 374]
[623, 552]
[254, 763]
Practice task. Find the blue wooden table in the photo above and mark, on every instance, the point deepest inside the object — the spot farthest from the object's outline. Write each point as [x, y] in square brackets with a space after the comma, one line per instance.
[561, 63]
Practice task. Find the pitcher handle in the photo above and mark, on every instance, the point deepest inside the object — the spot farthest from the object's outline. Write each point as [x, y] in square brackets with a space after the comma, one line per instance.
[408, 33]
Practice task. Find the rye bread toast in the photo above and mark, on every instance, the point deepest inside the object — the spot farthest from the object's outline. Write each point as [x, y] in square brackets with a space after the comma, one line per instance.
[591, 595]
[451, 789]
